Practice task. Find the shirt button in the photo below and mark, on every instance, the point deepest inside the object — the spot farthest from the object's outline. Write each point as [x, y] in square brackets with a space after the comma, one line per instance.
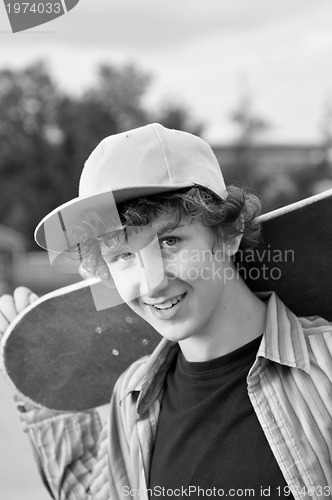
[272, 417]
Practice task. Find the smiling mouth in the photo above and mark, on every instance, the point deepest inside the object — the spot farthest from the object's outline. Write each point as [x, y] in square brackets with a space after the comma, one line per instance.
[169, 304]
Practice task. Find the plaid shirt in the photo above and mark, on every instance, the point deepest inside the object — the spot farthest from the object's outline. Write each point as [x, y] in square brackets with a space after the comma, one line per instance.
[290, 388]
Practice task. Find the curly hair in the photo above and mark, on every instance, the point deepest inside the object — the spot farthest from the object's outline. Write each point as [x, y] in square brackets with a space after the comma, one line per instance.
[229, 217]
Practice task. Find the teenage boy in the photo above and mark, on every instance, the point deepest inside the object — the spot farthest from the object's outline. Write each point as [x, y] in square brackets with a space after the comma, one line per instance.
[236, 399]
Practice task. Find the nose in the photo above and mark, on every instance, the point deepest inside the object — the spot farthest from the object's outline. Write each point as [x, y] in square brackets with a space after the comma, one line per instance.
[152, 277]
[155, 291]
[154, 273]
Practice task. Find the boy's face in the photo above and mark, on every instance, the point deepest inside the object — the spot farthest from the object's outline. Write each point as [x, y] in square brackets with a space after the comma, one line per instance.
[175, 279]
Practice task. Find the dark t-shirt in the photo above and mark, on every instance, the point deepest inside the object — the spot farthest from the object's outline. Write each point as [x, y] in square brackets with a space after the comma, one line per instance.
[208, 435]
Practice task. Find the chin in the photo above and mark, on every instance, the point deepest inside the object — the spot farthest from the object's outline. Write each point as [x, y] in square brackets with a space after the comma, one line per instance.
[172, 333]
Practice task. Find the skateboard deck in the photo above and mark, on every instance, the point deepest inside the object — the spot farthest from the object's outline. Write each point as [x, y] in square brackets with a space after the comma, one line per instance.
[295, 256]
[62, 354]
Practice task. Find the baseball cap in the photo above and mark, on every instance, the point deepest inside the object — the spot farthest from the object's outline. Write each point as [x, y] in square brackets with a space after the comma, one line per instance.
[144, 161]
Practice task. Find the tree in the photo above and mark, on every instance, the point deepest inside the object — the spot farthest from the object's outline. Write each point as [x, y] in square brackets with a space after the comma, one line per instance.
[28, 101]
[249, 126]
[174, 115]
[120, 91]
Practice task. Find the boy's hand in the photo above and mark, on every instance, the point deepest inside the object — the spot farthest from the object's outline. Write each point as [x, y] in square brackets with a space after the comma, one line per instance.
[12, 305]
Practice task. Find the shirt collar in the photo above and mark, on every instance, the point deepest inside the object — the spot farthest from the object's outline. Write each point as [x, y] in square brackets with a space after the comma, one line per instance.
[283, 342]
[150, 382]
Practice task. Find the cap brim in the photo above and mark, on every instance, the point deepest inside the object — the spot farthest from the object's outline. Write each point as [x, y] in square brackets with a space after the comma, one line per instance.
[72, 209]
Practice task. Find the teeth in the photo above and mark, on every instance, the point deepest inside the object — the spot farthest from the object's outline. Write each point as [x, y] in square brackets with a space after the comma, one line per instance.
[169, 303]
[165, 305]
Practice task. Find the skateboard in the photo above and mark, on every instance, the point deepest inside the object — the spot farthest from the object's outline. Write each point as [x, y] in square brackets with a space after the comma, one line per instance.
[63, 354]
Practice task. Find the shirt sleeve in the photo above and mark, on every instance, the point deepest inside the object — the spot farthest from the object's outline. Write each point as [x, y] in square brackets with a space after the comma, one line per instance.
[70, 450]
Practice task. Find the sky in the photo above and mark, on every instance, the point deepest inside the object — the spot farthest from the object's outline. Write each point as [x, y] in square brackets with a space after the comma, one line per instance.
[204, 54]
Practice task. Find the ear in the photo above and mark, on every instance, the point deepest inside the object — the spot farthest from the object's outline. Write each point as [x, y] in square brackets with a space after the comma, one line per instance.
[231, 246]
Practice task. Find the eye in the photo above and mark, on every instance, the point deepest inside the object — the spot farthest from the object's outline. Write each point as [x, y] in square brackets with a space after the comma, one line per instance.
[169, 241]
[125, 257]
[109, 244]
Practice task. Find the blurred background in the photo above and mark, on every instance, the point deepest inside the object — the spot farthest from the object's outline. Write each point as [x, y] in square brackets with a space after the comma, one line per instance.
[254, 78]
